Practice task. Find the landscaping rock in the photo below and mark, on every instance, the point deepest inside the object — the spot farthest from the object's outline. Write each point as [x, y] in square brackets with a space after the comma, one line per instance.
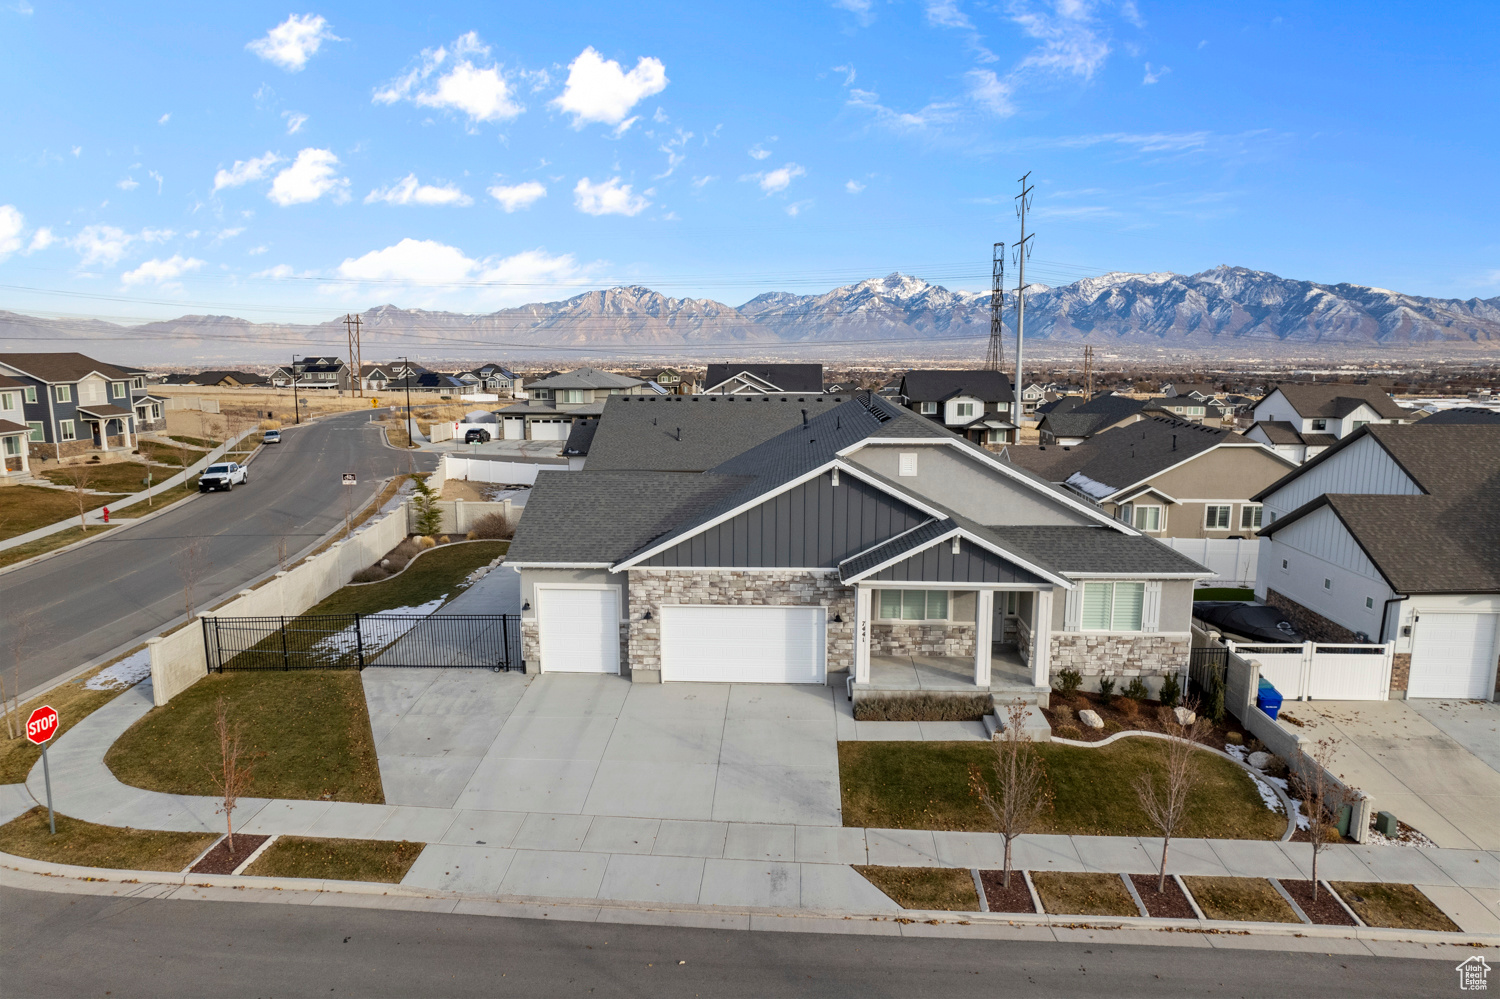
[1184, 716]
[1260, 760]
[1091, 718]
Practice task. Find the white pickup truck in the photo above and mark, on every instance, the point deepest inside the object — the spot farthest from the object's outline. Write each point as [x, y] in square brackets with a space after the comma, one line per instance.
[223, 476]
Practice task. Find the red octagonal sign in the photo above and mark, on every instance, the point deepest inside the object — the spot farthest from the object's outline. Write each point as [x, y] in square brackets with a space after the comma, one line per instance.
[42, 725]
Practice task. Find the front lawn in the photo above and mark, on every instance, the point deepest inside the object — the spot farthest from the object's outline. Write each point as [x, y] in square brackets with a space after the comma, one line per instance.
[90, 845]
[385, 861]
[166, 454]
[948, 888]
[26, 508]
[118, 476]
[307, 733]
[925, 785]
[1224, 593]
[433, 574]
[74, 701]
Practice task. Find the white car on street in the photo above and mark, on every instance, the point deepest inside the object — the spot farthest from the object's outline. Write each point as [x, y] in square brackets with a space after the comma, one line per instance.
[223, 476]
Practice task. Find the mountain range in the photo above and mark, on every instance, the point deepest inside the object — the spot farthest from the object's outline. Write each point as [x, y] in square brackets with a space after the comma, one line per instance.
[1226, 311]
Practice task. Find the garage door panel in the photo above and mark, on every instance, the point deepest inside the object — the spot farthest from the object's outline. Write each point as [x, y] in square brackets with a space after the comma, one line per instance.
[1453, 655]
[744, 644]
[579, 630]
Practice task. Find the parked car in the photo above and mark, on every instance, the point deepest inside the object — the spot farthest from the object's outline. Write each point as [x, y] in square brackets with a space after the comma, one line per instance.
[271, 437]
[1245, 622]
[475, 434]
[223, 476]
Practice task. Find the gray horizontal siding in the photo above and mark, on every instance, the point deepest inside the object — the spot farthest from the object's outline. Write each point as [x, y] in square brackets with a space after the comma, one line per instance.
[814, 524]
[972, 564]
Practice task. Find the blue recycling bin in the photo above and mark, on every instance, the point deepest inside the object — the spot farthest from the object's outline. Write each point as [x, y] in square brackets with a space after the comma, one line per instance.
[1268, 698]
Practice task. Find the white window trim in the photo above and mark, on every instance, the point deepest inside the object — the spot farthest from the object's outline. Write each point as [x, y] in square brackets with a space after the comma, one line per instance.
[117, 389]
[927, 408]
[1245, 511]
[1161, 518]
[1228, 520]
[875, 606]
[66, 430]
[63, 393]
[30, 394]
[1146, 589]
[38, 430]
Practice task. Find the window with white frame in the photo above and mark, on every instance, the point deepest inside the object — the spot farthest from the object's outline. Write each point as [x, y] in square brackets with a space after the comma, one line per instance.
[7, 400]
[1216, 517]
[1285, 565]
[1327, 583]
[1369, 603]
[13, 445]
[1250, 515]
[31, 393]
[64, 393]
[927, 408]
[913, 605]
[1320, 424]
[38, 430]
[963, 410]
[66, 431]
[1113, 606]
[119, 389]
[140, 383]
[1148, 519]
[570, 395]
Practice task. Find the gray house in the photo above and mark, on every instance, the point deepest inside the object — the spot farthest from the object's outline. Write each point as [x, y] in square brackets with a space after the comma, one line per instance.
[72, 404]
[863, 539]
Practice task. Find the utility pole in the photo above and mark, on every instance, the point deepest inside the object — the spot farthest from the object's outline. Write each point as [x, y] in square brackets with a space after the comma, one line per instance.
[409, 443]
[997, 305]
[1022, 250]
[296, 406]
[356, 362]
[1088, 371]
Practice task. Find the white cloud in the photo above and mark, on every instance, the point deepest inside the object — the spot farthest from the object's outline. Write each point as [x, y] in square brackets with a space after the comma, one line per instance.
[991, 92]
[945, 14]
[1155, 76]
[514, 197]
[859, 8]
[409, 192]
[164, 118]
[12, 223]
[608, 197]
[23, 8]
[599, 90]
[674, 147]
[848, 71]
[420, 261]
[280, 272]
[796, 208]
[294, 41]
[77, 151]
[758, 152]
[162, 272]
[41, 239]
[902, 121]
[105, 244]
[245, 171]
[1071, 43]
[705, 180]
[853, 186]
[128, 184]
[774, 181]
[521, 277]
[479, 91]
[156, 177]
[294, 121]
[311, 176]
[256, 251]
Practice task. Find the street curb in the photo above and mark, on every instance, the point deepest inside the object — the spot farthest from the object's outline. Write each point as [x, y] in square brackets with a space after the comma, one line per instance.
[932, 923]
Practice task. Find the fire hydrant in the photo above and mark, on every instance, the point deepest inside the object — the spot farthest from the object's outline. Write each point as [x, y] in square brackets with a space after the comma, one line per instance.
[106, 515]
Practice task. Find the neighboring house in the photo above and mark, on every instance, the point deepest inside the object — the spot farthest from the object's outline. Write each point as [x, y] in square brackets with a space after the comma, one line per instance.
[1078, 424]
[13, 429]
[1167, 478]
[582, 390]
[1058, 404]
[1464, 414]
[1182, 407]
[974, 403]
[73, 404]
[1198, 390]
[580, 438]
[326, 373]
[1393, 534]
[759, 379]
[496, 378]
[221, 379]
[1301, 420]
[848, 542]
[671, 380]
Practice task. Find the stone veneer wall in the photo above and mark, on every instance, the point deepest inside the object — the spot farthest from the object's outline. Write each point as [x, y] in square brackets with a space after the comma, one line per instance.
[1119, 656]
[1400, 672]
[83, 445]
[1313, 626]
[651, 588]
[901, 638]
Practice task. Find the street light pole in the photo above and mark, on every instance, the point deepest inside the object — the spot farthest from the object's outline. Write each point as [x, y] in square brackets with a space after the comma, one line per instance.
[296, 406]
[406, 362]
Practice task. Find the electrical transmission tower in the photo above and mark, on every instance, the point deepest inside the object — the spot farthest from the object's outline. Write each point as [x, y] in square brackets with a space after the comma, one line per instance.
[1022, 251]
[1088, 371]
[356, 364]
[997, 305]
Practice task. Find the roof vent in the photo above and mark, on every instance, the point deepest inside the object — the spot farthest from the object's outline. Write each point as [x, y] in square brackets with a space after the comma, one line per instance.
[1174, 442]
[804, 417]
[679, 433]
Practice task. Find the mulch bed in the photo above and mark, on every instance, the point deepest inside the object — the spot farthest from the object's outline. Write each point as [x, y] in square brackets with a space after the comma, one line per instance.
[1170, 903]
[1146, 719]
[1326, 911]
[1016, 898]
[222, 860]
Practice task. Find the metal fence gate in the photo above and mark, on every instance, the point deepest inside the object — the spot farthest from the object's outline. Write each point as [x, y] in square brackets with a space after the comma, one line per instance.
[355, 641]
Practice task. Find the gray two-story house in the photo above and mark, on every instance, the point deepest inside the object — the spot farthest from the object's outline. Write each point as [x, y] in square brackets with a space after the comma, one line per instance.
[976, 404]
[72, 404]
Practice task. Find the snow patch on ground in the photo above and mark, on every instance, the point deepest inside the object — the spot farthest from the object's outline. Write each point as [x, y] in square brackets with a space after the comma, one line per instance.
[126, 673]
[1271, 799]
[379, 630]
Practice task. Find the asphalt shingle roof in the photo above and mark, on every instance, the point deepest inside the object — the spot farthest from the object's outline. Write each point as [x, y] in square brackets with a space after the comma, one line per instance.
[1094, 549]
[1334, 401]
[60, 367]
[1104, 410]
[1123, 456]
[894, 548]
[580, 438]
[937, 386]
[786, 377]
[585, 378]
[1465, 414]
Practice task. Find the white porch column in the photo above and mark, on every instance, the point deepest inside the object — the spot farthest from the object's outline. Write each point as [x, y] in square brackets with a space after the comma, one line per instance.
[984, 626]
[862, 634]
[1041, 637]
[125, 428]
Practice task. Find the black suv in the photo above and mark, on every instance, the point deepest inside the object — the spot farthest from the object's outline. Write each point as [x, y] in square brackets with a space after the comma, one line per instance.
[475, 434]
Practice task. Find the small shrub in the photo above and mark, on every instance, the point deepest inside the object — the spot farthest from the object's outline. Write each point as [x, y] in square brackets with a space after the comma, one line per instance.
[1234, 738]
[270, 425]
[373, 574]
[426, 542]
[1063, 714]
[1106, 689]
[491, 527]
[1136, 689]
[1068, 732]
[924, 707]
[1171, 691]
[1128, 707]
[1068, 682]
[1111, 727]
[445, 540]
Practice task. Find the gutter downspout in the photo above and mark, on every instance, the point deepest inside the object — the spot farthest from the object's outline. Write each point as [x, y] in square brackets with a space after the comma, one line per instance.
[1385, 613]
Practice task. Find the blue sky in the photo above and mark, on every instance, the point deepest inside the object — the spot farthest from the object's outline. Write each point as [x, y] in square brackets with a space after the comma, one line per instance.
[168, 158]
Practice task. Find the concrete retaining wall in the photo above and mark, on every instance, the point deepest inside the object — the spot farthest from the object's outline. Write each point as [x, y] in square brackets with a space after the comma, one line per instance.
[459, 516]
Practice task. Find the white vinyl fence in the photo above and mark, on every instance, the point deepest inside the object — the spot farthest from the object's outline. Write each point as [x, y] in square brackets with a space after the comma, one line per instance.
[1324, 672]
[520, 473]
[1233, 561]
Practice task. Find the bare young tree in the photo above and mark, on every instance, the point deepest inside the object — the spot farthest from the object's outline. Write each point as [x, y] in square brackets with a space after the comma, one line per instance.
[17, 640]
[192, 566]
[1323, 798]
[1021, 793]
[78, 478]
[281, 553]
[1164, 795]
[232, 776]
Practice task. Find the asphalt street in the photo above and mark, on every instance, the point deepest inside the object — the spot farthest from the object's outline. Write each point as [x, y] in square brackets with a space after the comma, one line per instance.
[72, 945]
[129, 583]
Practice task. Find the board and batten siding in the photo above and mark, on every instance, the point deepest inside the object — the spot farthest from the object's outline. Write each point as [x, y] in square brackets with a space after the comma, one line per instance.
[972, 564]
[815, 524]
[1362, 467]
[1322, 535]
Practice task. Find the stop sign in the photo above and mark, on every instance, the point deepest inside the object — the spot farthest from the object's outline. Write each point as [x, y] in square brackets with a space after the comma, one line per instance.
[42, 725]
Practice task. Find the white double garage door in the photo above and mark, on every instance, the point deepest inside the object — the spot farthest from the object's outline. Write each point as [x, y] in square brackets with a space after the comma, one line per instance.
[579, 632]
[1453, 655]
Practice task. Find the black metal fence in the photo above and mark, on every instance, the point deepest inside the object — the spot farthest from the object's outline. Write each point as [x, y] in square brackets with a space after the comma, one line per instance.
[355, 641]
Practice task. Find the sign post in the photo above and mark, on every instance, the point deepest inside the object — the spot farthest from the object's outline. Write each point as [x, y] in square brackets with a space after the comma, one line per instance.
[350, 480]
[40, 728]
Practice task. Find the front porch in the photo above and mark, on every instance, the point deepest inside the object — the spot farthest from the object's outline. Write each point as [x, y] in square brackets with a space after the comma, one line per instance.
[1008, 672]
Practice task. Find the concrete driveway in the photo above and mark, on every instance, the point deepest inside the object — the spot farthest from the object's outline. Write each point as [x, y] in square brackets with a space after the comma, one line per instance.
[1434, 764]
[571, 744]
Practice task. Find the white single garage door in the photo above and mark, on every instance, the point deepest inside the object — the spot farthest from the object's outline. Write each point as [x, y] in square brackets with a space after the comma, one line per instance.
[1453, 655]
[515, 429]
[744, 644]
[550, 430]
[579, 629]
